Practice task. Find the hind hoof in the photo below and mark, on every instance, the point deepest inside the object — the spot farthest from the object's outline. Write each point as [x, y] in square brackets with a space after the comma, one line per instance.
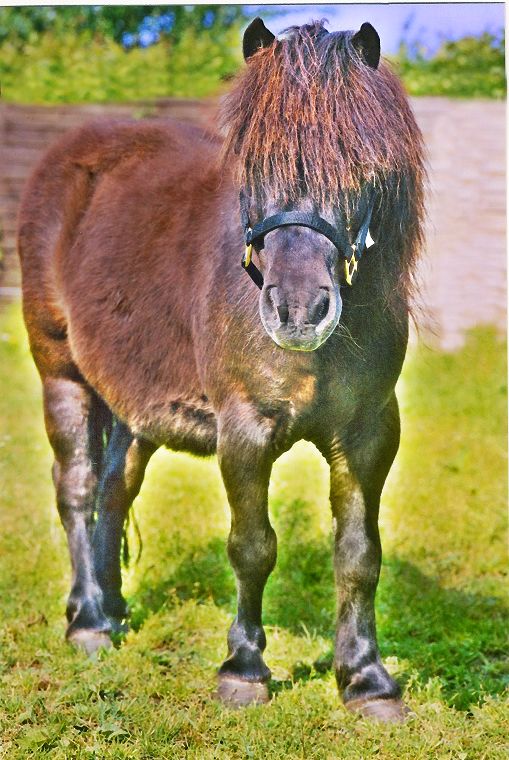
[382, 710]
[89, 641]
[237, 693]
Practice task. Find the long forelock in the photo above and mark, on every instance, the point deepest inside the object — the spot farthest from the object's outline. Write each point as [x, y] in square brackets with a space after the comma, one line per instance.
[308, 118]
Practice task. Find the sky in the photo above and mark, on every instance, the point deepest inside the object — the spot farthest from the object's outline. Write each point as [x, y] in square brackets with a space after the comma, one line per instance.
[427, 22]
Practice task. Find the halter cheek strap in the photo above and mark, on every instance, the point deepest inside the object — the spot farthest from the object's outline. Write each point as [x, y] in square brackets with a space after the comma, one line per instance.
[351, 252]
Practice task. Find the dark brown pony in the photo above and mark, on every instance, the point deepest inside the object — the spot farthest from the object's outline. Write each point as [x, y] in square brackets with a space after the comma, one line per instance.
[147, 332]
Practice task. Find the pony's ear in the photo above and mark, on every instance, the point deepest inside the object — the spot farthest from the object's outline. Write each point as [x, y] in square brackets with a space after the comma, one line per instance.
[256, 36]
[367, 44]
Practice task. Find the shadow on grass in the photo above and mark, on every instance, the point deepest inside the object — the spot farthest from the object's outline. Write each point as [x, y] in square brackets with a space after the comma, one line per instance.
[299, 595]
[435, 632]
[456, 636]
[204, 573]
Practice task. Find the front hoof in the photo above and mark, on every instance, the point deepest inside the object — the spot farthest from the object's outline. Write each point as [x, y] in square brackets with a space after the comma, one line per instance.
[235, 692]
[89, 641]
[382, 710]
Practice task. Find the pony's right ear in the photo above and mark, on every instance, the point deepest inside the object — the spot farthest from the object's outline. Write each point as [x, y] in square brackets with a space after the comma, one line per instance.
[256, 36]
[367, 44]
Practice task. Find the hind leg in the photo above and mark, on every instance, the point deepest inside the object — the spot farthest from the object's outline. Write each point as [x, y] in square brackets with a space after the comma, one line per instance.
[124, 467]
[73, 417]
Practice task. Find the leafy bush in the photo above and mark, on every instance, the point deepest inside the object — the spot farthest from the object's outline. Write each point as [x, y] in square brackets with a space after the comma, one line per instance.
[109, 53]
[20, 25]
[86, 68]
[473, 67]
[99, 54]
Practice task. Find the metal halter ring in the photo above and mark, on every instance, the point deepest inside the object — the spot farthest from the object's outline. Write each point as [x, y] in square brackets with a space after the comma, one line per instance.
[351, 268]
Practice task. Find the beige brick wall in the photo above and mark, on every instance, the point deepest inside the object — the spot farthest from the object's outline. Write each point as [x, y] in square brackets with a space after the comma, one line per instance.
[463, 272]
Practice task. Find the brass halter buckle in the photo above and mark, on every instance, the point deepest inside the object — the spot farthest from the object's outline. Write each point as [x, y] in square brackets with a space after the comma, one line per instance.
[351, 268]
[247, 255]
[246, 260]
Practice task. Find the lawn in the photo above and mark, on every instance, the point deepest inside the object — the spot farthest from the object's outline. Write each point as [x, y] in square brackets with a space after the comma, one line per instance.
[442, 601]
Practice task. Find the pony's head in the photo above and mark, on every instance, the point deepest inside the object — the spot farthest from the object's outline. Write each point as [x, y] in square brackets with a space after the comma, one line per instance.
[322, 141]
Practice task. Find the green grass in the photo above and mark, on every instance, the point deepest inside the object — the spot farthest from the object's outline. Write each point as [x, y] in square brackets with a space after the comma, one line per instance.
[442, 609]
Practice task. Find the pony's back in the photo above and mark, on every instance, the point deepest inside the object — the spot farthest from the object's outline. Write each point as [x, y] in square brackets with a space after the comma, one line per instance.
[96, 161]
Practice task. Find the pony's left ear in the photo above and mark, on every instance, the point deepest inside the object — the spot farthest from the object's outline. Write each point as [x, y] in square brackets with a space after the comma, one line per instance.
[256, 36]
[367, 44]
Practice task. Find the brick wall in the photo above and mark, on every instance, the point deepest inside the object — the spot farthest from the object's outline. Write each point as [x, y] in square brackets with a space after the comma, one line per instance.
[27, 131]
[463, 273]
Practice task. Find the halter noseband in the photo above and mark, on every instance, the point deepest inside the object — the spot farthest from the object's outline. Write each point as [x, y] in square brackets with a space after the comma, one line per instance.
[351, 252]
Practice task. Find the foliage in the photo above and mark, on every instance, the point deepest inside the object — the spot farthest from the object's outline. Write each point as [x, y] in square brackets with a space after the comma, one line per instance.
[472, 67]
[99, 54]
[201, 63]
[20, 25]
[119, 53]
[442, 611]
[84, 68]
[177, 20]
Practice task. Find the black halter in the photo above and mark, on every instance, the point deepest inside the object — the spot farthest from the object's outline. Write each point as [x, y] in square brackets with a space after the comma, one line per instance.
[351, 252]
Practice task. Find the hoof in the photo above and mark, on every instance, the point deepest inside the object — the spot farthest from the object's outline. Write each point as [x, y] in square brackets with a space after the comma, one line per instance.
[89, 641]
[237, 693]
[383, 710]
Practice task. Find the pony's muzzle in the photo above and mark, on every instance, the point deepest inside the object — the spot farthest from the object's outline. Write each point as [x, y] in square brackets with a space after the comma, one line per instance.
[301, 322]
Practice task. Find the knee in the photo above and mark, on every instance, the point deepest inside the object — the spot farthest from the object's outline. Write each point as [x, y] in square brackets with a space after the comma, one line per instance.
[357, 578]
[253, 551]
[357, 566]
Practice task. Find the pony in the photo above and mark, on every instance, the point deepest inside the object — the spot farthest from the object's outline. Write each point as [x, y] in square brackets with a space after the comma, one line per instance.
[233, 291]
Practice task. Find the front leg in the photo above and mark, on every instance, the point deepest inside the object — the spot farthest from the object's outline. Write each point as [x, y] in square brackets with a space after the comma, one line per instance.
[358, 470]
[245, 457]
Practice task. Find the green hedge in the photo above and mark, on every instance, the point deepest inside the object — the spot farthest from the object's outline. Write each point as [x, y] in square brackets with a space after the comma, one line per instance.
[88, 67]
[84, 68]
[473, 67]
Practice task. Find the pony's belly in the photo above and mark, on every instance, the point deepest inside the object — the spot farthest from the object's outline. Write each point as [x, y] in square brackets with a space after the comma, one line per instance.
[184, 424]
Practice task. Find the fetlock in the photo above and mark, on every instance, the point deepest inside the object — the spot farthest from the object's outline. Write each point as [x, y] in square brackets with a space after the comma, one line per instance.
[247, 664]
[370, 682]
[114, 605]
[86, 614]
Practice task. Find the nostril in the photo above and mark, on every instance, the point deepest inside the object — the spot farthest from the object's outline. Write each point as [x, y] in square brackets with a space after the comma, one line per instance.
[319, 308]
[277, 304]
[283, 313]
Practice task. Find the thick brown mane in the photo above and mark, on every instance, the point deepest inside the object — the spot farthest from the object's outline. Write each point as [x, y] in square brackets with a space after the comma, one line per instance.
[308, 118]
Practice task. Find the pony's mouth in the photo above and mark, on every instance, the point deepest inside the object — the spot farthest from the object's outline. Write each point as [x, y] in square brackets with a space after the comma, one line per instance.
[297, 344]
